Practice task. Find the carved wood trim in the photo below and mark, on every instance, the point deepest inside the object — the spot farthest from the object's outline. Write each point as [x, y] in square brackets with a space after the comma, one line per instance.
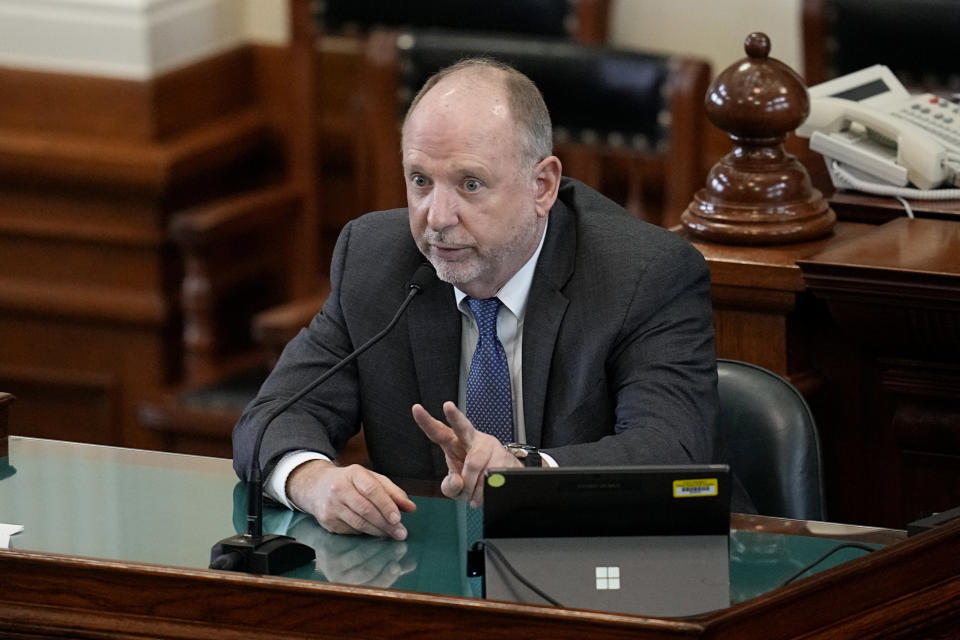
[91, 170]
[128, 165]
[126, 110]
[68, 300]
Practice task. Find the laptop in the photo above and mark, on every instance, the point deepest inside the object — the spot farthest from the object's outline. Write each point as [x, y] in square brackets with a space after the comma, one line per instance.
[644, 540]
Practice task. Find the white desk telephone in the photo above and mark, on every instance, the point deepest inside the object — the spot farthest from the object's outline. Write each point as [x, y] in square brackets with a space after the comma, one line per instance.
[877, 137]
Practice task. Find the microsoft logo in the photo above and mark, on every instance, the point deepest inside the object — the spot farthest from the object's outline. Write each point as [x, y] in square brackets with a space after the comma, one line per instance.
[608, 578]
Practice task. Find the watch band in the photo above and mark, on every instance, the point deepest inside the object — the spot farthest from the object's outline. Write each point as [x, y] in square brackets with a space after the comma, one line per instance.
[528, 455]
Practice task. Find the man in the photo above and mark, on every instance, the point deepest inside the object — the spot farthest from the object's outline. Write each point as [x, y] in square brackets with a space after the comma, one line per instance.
[605, 323]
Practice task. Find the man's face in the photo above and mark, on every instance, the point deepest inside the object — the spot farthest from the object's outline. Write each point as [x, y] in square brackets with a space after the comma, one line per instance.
[474, 211]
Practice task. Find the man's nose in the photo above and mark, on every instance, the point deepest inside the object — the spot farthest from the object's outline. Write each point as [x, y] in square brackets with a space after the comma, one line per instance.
[442, 212]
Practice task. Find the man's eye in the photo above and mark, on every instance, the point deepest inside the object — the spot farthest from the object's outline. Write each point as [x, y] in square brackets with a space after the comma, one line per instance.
[471, 185]
[419, 181]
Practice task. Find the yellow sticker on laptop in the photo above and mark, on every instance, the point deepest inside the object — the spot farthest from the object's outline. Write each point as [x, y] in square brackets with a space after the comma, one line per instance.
[697, 488]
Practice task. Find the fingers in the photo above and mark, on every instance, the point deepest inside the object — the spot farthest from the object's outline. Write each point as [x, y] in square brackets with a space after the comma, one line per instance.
[454, 446]
[487, 453]
[383, 568]
[398, 495]
[374, 562]
[372, 504]
[351, 500]
[461, 426]
[480, 459]
[483, 451]
[436, 431]
[452, 485]
[469, 453]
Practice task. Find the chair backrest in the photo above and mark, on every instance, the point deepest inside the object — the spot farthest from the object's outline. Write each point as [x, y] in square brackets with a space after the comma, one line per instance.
[769, 439]
[328, 42]
[583, 20]
[912, 37]
[623, 120]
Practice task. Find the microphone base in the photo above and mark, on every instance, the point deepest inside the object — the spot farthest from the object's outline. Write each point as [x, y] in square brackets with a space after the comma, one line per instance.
[271, 555]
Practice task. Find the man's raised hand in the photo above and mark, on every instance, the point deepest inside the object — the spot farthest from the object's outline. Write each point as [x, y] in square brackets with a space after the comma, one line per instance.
[468, 452]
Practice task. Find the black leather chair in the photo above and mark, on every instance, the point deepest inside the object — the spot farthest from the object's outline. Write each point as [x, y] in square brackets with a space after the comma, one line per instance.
[628, 123]
[583, 20]
[769, 438]
[337, 32]
[915, 38]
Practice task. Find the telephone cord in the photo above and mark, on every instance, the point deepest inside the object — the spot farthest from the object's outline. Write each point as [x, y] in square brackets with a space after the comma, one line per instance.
[845, 178]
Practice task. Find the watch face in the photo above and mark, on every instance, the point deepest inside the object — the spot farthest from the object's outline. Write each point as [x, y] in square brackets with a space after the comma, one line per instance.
[525, 453]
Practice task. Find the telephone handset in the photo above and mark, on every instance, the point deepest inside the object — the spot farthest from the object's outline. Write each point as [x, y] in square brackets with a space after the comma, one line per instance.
[869, 122]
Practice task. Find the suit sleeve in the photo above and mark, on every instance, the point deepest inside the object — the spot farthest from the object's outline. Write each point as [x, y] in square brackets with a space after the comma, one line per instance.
[327, 417]
[660, 390]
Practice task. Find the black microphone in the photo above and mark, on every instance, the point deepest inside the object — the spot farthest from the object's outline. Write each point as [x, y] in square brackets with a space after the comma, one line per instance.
[271, 554]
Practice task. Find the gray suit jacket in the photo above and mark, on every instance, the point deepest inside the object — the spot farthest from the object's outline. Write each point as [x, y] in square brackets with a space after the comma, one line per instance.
[618, 354]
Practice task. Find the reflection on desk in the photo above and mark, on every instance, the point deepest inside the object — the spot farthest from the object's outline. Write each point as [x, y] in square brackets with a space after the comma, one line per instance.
[164, 508]
[95, 517]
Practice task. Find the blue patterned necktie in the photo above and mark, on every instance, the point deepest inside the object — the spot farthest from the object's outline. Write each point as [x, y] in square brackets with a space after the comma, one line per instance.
[489, 400]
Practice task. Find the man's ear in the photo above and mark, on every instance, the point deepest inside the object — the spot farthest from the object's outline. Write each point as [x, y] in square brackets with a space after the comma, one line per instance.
[547, 178]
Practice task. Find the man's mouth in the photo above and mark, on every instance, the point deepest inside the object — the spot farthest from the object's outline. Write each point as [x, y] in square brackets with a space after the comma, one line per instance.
[447, 252]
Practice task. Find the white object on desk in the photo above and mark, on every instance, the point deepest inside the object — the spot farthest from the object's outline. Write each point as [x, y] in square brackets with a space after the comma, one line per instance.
[7, 530]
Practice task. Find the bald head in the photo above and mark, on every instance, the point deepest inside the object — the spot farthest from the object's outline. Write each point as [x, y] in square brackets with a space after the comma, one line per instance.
[511, 95]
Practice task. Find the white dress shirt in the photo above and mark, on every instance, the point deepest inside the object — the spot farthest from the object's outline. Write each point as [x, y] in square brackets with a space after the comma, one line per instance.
[513, 298]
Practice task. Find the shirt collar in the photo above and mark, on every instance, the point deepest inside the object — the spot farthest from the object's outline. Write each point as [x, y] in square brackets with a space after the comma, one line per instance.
[513, 295]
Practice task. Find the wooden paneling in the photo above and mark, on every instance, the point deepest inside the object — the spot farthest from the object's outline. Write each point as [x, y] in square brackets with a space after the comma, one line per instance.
[91, 172]
[151, 110]
[867, 324]
[894, 296]
[90, 399]
[762, 313]
[80, 377]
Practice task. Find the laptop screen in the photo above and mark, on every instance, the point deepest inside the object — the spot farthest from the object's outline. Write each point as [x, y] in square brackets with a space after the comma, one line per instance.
[607, 501]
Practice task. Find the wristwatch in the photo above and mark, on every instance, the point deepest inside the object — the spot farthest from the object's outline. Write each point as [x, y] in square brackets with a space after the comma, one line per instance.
[529, 456]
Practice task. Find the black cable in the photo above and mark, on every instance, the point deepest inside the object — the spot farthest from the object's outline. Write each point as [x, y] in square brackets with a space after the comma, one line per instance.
[846, 545]
[481, 544]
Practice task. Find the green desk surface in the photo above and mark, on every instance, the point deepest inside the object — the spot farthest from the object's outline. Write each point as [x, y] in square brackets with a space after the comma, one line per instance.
[169, 509]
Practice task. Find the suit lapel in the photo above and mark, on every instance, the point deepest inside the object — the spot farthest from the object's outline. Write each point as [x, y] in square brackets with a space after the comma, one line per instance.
[544, 315]
[434, 323]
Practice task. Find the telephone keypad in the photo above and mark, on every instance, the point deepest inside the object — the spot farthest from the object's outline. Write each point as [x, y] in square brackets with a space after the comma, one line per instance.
[942, 119]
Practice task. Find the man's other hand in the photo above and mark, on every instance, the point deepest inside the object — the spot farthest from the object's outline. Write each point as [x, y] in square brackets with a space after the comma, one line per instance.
[349, 499]
[468, 452]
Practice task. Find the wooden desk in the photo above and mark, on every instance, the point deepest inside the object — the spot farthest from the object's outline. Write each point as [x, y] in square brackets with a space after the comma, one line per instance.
[908, 591]
[762, 312]
[854, 206]
[866, 324]
[905, 590]
[893, 294]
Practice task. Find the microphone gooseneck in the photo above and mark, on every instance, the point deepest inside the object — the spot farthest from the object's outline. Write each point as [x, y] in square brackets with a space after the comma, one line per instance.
[421, 277]
[232, 553]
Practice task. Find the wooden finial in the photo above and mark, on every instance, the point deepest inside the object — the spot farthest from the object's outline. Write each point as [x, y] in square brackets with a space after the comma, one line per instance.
[758, 193]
